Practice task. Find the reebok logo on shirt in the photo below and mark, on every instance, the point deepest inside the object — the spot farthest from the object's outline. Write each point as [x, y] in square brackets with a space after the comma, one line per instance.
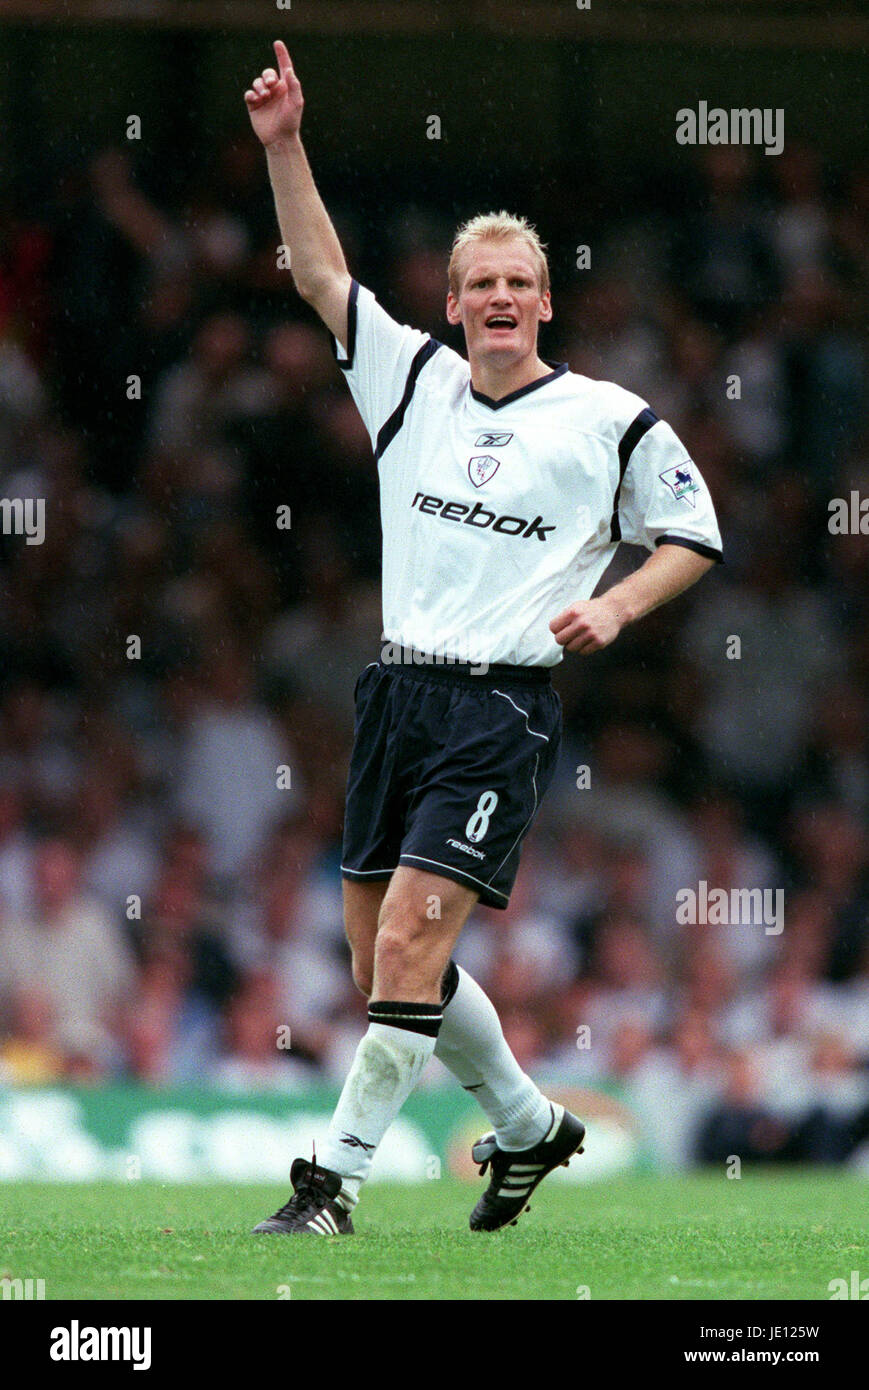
[480, 516]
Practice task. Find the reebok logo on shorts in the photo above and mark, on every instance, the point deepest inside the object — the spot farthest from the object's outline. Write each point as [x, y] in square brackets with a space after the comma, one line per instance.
[457, 844]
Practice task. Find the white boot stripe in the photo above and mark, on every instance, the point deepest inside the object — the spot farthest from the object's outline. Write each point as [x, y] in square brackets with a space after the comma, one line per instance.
[557, 1117]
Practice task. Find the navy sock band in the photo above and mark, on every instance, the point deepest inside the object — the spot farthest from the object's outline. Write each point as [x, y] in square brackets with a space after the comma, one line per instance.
[449, 983]
[414, 1018]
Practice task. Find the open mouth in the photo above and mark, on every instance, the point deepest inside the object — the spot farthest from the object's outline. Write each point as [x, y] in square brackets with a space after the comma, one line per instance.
[505, 321]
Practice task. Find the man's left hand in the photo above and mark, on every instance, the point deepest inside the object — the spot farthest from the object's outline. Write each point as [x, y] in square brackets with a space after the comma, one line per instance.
[587, 626]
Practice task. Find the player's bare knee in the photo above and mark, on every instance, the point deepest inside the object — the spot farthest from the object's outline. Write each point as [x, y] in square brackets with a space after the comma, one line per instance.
[406, 964]
[395, 949]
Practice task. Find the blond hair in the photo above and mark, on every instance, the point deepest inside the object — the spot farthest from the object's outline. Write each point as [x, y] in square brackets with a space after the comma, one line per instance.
[499, 226]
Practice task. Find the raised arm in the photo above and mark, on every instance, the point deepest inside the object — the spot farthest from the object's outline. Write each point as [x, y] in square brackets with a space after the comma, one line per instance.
[274, 104]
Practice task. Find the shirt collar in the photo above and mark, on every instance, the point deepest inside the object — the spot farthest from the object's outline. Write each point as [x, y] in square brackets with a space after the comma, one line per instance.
[558, 369]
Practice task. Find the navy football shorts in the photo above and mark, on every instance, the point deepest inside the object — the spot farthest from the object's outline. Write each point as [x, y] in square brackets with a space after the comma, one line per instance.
[448, 771]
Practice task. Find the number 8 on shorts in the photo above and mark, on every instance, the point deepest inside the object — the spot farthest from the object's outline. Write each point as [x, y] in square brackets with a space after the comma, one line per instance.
[479, 823]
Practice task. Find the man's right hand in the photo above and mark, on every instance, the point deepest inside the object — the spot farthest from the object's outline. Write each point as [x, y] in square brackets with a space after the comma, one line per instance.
[275, 101]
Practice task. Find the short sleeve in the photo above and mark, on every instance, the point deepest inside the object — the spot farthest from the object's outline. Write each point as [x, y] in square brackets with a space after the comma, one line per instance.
[663, 498]
[379, 358]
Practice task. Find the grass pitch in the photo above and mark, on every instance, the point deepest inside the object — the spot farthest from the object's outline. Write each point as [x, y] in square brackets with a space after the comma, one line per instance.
[764, 1236]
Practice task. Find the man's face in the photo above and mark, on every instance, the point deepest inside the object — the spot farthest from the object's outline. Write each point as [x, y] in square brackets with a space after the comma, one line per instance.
[499, 302]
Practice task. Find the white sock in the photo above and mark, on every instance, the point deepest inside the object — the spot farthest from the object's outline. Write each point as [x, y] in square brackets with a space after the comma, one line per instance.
[388, 1062]
[472, 1045]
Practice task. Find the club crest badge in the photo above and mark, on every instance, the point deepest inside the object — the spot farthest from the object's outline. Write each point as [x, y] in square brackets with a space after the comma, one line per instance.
[680, 481]
[481, 468]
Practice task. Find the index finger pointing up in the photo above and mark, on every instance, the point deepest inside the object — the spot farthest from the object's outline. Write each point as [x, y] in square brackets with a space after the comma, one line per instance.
[283, 57]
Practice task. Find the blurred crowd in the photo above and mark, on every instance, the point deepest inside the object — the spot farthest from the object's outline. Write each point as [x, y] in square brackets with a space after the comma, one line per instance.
[177, 665]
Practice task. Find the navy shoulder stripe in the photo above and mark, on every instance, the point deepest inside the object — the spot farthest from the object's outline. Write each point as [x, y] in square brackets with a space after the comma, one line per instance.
[699, 547]
[627, 444]
[346, 363]
[390, 429]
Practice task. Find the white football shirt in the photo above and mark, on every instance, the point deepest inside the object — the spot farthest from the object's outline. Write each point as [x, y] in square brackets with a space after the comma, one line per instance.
[497, 515]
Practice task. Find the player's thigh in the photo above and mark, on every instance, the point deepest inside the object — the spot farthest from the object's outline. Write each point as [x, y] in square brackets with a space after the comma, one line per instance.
[362, 906]
[422, 897]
